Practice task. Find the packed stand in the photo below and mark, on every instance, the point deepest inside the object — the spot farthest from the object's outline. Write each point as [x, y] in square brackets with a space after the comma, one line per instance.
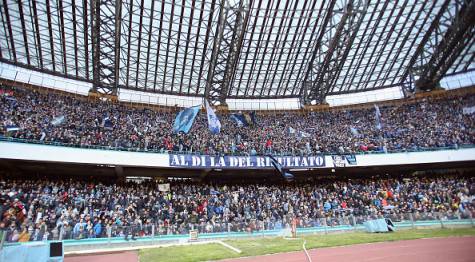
[35, 210]
[51, 118]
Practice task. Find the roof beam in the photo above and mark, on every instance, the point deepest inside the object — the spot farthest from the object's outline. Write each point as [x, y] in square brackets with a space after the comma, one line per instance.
[425, 39]
[354, 27]
[398, 33]
[139, 44]
[278, 44]
[243, 68]
[200, 21]
[374, 60]
[177, 49]
[129, 36]
[403, 42]
[188, 35]
[63, 35]
[307, 50]
[226, 49]
[318, 44]
[86, 37]
[266, 42]
[37, 33]
[168, 47]
[456, 37]
[23, 30]
[50, 30]
[302, 17]
[106, 45]
[335, 54]
[358, 56]
[159, 43]
[149, 44]
[205, 48]
[73, 11]
[10, 32]
[258, 47]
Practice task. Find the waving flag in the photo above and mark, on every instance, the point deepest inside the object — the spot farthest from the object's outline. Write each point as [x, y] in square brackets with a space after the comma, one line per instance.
[285, 175]
[58, 120]
[250, 118]
[378, 117]
[213, 122]
[291, 130]
[184, 120]
[238, 119]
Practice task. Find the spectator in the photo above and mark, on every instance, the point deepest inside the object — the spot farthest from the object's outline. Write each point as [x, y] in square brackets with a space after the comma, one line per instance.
[53, 118]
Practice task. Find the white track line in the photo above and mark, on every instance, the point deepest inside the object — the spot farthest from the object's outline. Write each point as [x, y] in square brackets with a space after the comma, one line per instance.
[133, 248]
[229, 246]
[306, 252]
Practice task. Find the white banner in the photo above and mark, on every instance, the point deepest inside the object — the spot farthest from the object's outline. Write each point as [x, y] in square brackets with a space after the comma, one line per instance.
[164, 187]
[468, 110]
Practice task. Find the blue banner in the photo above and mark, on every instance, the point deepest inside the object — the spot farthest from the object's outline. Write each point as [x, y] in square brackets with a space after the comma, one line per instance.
[184, 120]
[206, 161]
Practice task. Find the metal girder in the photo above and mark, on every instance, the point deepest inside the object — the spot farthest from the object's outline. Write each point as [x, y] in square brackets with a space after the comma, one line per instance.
[450, 32]
[106, 45]
[10, 33]
[336, 43]
[458, 35]
[226, 50]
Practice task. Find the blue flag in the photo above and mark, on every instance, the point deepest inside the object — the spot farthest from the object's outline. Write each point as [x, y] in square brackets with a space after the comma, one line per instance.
[184, 120]
[245, 119]
[238, 119]
[213, 122]
[107, 123]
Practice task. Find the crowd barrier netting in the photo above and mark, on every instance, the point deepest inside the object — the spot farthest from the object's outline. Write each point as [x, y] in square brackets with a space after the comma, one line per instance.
[246, 228]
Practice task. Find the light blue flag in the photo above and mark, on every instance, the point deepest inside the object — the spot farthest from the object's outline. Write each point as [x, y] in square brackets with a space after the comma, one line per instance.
[184, 120]
[213, 122]
[58, 120]
[378, 117]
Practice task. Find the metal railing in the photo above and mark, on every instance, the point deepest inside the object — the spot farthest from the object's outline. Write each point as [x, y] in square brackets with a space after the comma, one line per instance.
[163, 151]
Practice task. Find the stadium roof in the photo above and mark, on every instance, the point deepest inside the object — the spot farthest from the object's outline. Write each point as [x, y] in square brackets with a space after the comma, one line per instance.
[242, 49]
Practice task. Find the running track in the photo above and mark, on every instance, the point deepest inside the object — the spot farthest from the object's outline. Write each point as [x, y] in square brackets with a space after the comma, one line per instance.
[456, 249]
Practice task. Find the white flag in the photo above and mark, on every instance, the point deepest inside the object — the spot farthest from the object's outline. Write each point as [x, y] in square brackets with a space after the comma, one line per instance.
[164, 187]
[213, 122]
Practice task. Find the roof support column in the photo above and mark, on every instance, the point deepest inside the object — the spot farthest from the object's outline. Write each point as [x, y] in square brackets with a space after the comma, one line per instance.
[106, 45]
[335, 44]
[226, 50]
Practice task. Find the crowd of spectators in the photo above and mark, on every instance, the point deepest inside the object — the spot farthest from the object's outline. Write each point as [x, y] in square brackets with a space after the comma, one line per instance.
[51, 209]
[66, 119]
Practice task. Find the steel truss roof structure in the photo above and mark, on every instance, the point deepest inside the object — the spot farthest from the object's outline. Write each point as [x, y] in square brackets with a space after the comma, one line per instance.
[242, 48]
